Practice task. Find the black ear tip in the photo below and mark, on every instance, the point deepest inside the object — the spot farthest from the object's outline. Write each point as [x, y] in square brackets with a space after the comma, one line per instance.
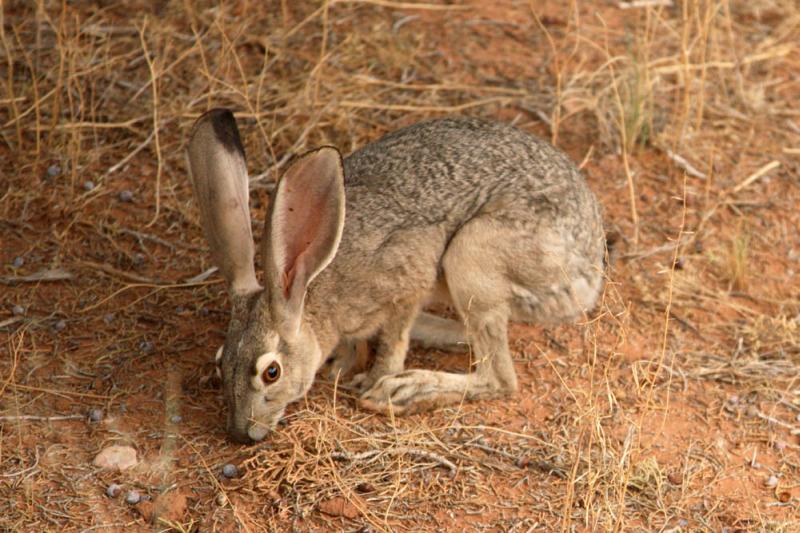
[225, 129]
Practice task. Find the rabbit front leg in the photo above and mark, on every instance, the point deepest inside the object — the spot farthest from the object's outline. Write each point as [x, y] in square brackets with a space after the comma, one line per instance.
[417, 390]
[391, 349]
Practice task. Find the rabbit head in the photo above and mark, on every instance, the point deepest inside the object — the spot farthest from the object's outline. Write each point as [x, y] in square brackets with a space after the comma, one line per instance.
[271, 353]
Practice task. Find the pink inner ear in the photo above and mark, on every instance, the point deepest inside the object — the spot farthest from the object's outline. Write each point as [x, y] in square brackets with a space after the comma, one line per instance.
[302, 223]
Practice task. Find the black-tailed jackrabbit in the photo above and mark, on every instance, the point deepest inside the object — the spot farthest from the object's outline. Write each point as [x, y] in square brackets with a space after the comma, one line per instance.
[494, 220]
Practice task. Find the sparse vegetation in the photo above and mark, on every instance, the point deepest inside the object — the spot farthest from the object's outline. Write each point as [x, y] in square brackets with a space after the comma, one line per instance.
[672, 407]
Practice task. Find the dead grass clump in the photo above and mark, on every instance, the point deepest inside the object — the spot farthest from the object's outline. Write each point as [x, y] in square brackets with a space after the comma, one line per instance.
[664, 410]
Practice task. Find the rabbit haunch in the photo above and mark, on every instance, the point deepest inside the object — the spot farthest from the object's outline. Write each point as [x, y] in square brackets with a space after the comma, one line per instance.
[491, 219]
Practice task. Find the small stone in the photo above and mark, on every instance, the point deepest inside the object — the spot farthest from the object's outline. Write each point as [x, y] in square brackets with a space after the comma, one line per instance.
[108, 318]
[734, 399]
[682, 522]
[61, 325]
[784, 496]
[53, 171]
[771, 482]
[230, 471]
[339, 506]
[18, 310]
[221, 499]
[676, 478]
[523, 461]
[176, 419]
[169, 507]
[365, 487]
[96, 415]
[113, 490]
[88, 185]
[116, 458]
[18, 261]
[146, 347]
[779, 445]
[797, 418]
[125, 196]
[138, 259]
[133, 497]
[679, 263]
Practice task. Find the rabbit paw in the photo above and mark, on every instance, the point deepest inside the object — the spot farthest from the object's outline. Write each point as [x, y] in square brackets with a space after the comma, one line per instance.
[361, 382]
[413, 391]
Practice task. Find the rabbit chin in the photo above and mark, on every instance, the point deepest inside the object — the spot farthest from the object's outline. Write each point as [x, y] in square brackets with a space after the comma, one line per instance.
[258, 431]
[259, 428]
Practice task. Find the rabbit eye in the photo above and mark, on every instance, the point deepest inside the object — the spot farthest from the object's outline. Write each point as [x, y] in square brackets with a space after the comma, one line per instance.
[272, 372]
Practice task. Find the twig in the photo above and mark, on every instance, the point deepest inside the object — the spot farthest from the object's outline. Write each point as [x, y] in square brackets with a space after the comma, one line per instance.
[756, 175]
[108, 269]
[635, 4]
[202, 276]
[415, 452]
[55, 274]
[773, 420]
[685, 165]
[42, 418]
[403, 5]
[131, 155]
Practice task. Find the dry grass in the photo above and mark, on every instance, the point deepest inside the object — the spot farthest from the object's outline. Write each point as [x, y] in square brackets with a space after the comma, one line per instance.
[666, 410]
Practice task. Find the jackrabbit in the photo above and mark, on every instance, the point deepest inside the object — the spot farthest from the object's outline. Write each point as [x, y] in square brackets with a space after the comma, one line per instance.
[491, 219]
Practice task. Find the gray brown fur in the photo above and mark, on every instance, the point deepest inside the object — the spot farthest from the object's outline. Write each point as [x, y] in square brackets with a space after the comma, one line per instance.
[484, 216]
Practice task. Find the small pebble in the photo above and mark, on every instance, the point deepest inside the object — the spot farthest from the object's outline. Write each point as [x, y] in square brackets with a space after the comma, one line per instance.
[113, 490]
[18, 310]
[771, 482]
[176, 419]
[676, 478]
[683, 522]
[61, 325]
[779, 445]
[126, 196]
[146, 347]
[109, 318]
[733, 400]
[797, 418]
[365, 487]
[230, 471]
[116, 457]
[53, 171]
[679, 263]
[138, 259]
[88, 185]
[18, 261]
[523, 462]
[133, 497]
[96, 415]
[222, 500]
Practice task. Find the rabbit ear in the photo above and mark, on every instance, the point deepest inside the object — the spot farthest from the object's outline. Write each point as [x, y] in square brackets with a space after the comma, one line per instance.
[305, 227]
[219, 179]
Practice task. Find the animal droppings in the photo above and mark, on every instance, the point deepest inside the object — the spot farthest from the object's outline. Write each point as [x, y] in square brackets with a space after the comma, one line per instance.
[229, 471]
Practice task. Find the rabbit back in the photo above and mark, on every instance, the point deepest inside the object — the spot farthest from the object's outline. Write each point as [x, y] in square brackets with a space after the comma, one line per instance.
[410, 193]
